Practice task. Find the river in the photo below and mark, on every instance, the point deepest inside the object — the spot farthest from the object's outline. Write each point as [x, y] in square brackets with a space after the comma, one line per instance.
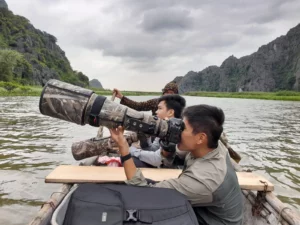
[265, 133]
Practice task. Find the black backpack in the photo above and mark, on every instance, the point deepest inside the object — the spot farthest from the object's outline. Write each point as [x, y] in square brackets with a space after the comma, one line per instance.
[116, 204]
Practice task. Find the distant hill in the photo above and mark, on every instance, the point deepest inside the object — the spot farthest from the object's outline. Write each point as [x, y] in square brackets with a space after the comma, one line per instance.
[275, 66]
[95, 84]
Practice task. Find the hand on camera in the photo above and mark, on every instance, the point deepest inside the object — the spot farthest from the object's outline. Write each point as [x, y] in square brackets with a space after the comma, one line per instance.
[167, 154]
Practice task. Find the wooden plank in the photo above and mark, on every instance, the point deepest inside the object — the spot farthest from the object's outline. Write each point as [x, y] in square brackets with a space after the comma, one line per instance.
[93, 174]
[103, 174]
[252, 181]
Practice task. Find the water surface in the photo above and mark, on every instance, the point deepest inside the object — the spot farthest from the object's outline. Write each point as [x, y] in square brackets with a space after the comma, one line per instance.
[265, 133]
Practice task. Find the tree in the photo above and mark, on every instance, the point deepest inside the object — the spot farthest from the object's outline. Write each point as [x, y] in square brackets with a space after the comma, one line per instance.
[9, 59]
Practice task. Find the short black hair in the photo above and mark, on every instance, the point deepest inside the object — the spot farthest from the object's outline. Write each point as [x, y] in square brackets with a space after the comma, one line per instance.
[175, 102]
[207, 119]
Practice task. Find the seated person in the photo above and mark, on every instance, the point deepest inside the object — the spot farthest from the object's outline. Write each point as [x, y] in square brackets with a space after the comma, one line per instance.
[170, 89]
[150, 105]
[169, 106]
[208, 178]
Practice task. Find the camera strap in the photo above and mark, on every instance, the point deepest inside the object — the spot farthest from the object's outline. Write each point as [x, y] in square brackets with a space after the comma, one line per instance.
[95, 111]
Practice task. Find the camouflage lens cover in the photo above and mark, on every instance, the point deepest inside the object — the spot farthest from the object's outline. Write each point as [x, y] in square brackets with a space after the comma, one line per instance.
[65, 101]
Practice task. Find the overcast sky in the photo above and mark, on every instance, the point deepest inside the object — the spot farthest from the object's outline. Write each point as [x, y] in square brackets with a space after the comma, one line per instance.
[143, 44]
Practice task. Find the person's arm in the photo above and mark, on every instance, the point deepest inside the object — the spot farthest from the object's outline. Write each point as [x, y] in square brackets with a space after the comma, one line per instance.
[154, 158]
[136, 152]
[139, 106]
[147, 144]
[195, 191]
[118, 136]
[149, 105]
[150, 157]
[152, 146]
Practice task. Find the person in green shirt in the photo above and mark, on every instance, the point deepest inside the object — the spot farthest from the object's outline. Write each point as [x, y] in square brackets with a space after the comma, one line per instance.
[208, 179]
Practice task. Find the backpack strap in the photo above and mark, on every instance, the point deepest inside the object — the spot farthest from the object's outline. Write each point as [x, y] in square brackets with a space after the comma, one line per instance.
[131, 215]
[134, 215]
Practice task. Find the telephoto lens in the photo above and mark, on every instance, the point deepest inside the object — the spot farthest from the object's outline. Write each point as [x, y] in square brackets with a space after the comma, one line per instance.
[83, 106]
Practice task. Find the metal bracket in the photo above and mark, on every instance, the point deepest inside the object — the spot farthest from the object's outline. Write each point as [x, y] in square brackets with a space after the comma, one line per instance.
[259, 200]
[132, 215]
[138, 125]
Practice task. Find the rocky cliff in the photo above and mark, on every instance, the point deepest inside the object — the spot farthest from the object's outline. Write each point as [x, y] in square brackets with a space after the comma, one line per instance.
[3, 4]
[275, 66]
[46, 60]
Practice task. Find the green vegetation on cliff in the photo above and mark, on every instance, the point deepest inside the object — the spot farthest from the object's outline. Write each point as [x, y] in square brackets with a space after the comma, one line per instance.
[39, 58]
[11, 60]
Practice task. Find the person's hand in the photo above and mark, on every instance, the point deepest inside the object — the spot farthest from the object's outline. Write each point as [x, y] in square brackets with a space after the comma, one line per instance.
[166, 154]
[118, 93]
[117, 134]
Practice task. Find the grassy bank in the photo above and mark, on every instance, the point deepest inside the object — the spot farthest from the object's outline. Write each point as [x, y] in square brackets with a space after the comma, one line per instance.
[280, 95]
[20, 90]
[36, 91]
[127, 93]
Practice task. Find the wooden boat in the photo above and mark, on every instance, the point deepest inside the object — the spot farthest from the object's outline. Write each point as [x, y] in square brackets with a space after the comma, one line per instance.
[260, 207]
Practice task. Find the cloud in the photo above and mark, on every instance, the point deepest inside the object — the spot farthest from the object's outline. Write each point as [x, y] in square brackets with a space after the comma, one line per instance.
[166, 19]
[255, 30]
[156, 40]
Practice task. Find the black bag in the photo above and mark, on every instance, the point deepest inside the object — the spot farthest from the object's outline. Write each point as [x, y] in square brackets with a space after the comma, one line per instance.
[116, 204]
